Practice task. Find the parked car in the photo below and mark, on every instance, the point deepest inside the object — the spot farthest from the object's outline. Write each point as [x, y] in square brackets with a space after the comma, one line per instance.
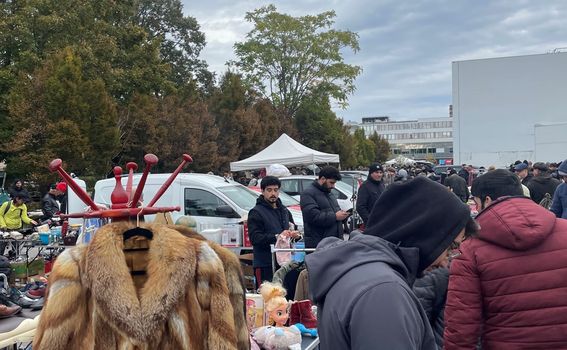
[442, 169]
[211, 200]
[295, 184]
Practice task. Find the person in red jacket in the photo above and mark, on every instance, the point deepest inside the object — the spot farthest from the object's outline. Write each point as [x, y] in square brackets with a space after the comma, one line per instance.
[508, 287]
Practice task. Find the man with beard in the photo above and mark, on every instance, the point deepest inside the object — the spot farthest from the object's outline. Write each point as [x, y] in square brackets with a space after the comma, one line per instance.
[370, 191]
[266, 221]
[322, 216]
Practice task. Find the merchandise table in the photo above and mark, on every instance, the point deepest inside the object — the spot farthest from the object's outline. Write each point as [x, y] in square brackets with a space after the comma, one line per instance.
[308, 343]
[18, 329]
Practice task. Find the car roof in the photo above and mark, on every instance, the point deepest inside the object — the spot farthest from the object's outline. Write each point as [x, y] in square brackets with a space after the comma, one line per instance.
[195, 179]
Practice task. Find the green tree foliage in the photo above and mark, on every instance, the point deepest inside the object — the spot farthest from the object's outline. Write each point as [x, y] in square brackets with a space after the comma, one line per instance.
[365, 153]
[320, 129]
[381, 148]
[58, 113]
[287, 58]
[180, 38]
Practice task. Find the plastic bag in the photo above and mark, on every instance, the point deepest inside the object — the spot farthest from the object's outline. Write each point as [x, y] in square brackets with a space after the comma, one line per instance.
[277, 170]
[283, 257]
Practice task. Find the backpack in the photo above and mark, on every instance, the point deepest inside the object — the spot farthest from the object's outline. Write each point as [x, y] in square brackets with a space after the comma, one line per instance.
[546, 201]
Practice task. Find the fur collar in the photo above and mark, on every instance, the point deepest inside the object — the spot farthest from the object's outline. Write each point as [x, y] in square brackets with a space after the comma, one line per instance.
[171, 266]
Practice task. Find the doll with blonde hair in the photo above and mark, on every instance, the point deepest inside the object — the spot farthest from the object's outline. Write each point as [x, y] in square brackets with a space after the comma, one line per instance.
[278, 336]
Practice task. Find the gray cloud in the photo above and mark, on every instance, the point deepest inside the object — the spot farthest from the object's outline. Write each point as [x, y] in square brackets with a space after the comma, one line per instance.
[406, 46]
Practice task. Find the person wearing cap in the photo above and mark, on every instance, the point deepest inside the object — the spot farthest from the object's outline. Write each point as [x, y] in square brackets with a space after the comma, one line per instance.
[541, 183]
[49, 204]
[507, 287]
[322, 215]
[370, 191]
[363, 286]
[521, 170]
[559, 204]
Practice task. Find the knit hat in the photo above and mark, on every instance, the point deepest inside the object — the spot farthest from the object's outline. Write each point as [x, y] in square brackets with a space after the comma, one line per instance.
[563, 168]
[374, 167]
[61, 186]
[419, 213]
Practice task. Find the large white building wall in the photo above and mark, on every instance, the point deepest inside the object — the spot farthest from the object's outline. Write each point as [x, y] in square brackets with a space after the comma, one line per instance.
[498, 102]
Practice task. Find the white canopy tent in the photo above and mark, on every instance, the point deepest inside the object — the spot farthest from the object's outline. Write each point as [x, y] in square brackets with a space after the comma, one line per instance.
[400, 160]
[285, 151]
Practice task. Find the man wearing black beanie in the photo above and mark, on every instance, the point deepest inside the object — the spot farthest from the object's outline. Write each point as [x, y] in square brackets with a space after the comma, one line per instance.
[363, 286]
[370, 191]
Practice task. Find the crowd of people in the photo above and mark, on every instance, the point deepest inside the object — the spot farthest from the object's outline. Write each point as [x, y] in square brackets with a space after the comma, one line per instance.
[422, 272]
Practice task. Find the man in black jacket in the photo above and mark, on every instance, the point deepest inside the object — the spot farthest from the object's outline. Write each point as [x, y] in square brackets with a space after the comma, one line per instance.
[49, 204]
[266, 221]
[370, 191]
[362, 287]
[322, 216]
[541, 183]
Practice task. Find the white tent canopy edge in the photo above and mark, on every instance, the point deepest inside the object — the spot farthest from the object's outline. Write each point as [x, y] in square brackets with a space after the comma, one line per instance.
[285, 151]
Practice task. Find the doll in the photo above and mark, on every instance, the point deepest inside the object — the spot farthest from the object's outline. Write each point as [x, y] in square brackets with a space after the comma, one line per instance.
[278, 336]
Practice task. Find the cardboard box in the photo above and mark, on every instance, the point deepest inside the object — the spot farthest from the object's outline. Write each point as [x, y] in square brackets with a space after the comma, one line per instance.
[255, 315]
[231, 235]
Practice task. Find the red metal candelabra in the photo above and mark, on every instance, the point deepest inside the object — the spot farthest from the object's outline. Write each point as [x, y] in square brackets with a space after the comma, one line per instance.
[124, 202]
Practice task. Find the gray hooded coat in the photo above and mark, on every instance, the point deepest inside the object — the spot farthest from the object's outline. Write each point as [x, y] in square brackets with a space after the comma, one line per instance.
[368, 285]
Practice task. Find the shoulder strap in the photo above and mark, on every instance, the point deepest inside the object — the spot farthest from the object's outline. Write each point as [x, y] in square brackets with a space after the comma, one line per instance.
[7, 207]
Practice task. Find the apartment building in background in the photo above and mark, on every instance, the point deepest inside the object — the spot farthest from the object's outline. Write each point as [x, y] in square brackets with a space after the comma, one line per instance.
[419, 139]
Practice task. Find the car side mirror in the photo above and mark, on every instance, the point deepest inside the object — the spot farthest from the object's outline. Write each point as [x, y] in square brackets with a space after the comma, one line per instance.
[226, 211]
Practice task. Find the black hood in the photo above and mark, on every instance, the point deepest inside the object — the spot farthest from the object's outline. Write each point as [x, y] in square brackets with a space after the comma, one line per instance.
[542, 179]
[335, 257]
[262, 201]
[419, 213]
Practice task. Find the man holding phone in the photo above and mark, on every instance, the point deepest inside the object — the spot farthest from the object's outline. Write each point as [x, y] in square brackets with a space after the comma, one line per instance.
[322, 215]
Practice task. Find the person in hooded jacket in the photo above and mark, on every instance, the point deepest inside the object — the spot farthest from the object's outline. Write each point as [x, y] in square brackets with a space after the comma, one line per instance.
[508, 287]
[559, 204]
[363, 287]
[541, 183]
[370, 191]
[266, 221]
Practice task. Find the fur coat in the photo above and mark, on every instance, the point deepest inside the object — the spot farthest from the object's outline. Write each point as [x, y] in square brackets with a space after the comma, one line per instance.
[183, 296]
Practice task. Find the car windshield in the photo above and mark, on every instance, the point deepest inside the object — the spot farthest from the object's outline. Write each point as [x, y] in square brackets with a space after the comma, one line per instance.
[344, 187]
[240, 195]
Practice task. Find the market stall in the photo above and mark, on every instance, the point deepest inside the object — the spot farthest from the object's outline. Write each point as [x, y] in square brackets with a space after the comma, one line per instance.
[285, 151]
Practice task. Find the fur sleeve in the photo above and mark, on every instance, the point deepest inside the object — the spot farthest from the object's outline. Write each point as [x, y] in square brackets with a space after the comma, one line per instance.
[235, 284]
[213, 297]
[63, 318]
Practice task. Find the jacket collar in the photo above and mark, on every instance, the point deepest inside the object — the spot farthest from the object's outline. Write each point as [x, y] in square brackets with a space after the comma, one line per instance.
[140, 314]
[320, 187]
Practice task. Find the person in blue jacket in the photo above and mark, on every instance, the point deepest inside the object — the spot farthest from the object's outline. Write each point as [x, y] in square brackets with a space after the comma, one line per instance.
[559, 204]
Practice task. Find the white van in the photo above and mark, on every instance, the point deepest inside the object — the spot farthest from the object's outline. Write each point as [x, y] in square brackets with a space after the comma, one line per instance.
[211, 200]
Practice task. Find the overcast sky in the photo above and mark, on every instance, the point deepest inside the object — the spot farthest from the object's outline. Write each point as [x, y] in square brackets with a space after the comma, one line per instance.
[406, 46]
